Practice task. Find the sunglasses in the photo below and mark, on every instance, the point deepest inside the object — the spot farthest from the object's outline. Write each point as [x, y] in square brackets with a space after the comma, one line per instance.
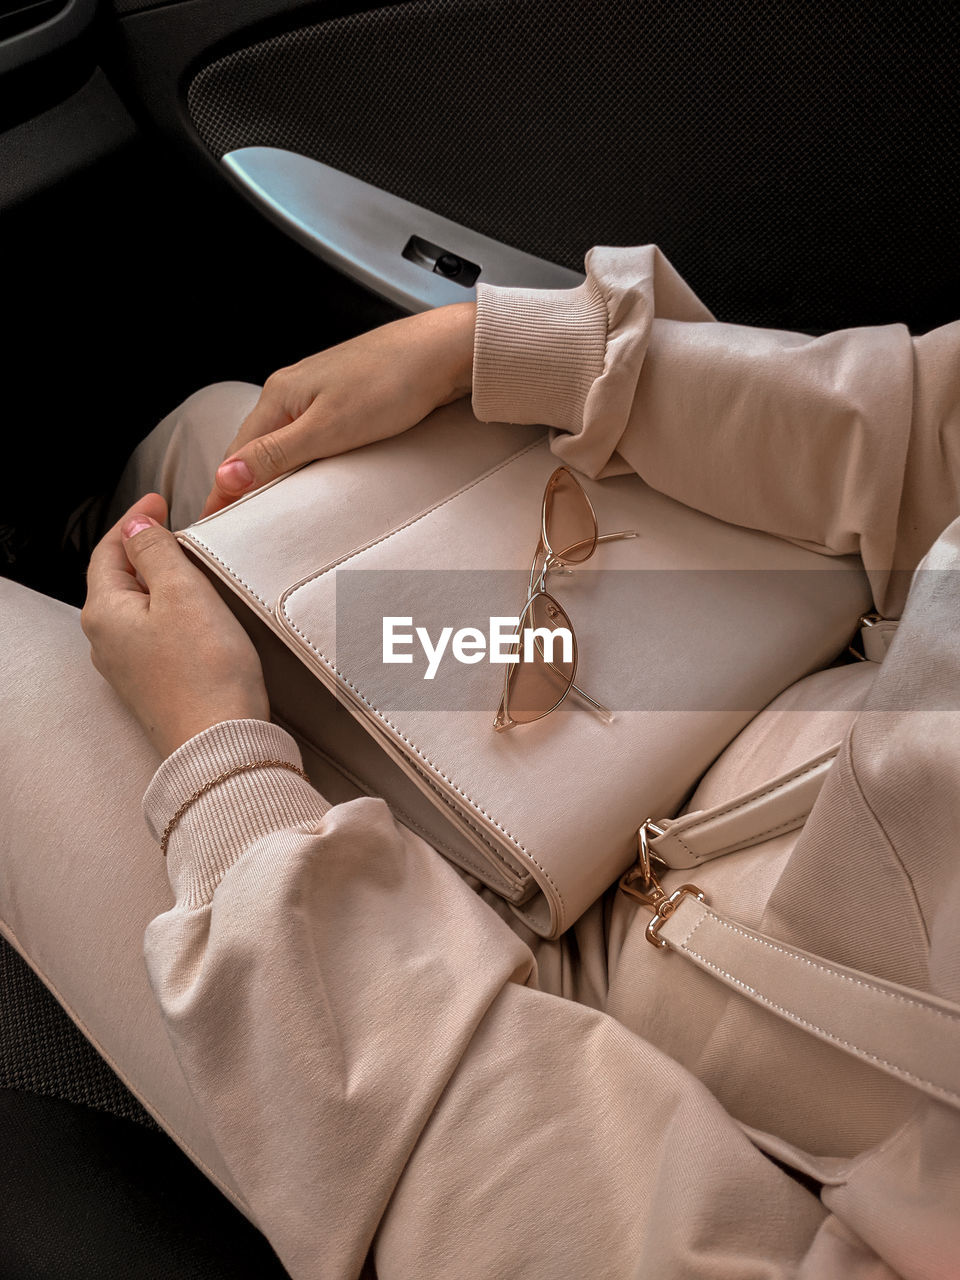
[537, 683]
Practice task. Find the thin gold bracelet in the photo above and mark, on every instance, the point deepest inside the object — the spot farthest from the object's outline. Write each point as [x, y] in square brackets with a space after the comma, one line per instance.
[215, 782]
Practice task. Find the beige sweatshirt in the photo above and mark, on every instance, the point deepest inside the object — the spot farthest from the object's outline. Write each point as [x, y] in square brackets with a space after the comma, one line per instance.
[385, 1063]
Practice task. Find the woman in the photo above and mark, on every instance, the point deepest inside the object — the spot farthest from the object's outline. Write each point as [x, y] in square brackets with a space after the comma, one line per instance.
[367, 1052]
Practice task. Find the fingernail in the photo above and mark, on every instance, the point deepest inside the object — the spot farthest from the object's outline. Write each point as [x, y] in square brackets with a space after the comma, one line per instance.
[235, 476]
[135, 525]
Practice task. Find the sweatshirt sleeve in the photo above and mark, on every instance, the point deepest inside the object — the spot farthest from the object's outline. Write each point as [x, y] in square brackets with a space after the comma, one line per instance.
[848, 443]
[369, 1046]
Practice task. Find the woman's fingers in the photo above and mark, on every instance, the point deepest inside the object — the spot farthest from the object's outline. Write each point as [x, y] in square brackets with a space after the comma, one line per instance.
[268, 415]
[110, 570]
[171, 649]
[371, 386]
[153, 551]
[256, 463]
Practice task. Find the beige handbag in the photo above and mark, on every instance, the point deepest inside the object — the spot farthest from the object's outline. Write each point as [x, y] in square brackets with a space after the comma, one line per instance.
[686, 630]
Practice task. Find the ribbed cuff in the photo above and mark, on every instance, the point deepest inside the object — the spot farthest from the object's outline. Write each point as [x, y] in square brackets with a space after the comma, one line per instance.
[536, 353]
[220, 824]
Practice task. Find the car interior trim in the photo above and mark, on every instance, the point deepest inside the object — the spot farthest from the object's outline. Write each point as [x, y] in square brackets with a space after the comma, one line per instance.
[415, 258]
[48, 37]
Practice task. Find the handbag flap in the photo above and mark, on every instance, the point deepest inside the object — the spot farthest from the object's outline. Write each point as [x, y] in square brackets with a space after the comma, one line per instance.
[310, 517]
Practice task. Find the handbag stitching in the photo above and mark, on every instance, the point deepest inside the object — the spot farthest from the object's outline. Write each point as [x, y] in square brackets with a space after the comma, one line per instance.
[454, 855]
[788, 825]
[827, 1035]
[741, 804]
[408, 524]
[511, 871]
[413, 747]
[478, 832]
[831, 973]
[236, 577]
[362, 785]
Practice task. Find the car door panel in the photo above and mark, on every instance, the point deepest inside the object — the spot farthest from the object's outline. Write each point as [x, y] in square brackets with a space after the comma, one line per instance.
[33, 29]
[801, 170]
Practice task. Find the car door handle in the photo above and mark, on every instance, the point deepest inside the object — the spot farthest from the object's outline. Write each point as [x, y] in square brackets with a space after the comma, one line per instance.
[408, 254]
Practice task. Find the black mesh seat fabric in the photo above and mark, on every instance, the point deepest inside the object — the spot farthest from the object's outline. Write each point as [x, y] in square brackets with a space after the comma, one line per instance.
[90, 1187]
[88, 1196]
[43, 1052]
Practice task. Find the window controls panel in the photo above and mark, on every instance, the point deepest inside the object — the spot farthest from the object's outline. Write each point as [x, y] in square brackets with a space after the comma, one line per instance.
[411, 255]
[449, 265]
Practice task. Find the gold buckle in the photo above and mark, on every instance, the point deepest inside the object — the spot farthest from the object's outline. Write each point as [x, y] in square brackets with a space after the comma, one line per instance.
[641, 882]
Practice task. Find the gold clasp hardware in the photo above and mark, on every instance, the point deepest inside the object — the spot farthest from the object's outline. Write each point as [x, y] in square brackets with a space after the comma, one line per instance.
[643, 847]
[665, 909]
[641, 882]
[866, 620]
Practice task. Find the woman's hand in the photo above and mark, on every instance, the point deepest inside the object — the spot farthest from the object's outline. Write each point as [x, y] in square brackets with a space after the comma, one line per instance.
[170, 647]
[371, 387]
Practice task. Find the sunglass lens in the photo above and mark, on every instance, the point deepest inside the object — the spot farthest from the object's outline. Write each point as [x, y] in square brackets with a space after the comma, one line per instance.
[547, 664]
[569, 523]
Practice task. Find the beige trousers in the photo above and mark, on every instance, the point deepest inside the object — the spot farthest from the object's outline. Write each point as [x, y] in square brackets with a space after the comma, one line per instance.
[80, 877]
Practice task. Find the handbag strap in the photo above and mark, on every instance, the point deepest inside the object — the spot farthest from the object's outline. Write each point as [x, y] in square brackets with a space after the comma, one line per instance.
[907, 1033]
[780, 805]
